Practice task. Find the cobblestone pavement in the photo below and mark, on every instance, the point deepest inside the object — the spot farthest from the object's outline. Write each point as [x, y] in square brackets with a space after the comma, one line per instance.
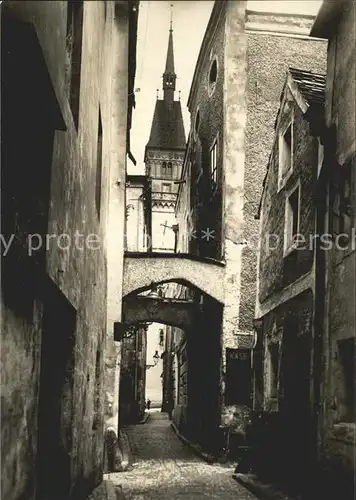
[165, 468]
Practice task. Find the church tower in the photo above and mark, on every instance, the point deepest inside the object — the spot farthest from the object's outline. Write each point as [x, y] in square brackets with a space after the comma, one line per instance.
[164, 154]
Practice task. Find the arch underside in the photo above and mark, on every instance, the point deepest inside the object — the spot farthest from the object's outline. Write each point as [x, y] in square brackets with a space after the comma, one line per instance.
[138, 309]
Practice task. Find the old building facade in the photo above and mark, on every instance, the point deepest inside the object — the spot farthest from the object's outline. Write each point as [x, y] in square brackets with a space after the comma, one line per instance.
[336, 282]
[233, 102]
[65, 87]
[283, 358]
[304, 362]
[138, 225]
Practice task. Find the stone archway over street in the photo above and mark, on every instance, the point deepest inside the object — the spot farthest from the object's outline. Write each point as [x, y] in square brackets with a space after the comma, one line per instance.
[142, 270]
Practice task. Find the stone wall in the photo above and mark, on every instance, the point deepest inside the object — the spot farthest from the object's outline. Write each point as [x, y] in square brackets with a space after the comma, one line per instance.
[340, 101]
[269, 56]
[207, 114]
[338, 428]
[277, 270]
[285, 391]
[116, 206]
[74, 289]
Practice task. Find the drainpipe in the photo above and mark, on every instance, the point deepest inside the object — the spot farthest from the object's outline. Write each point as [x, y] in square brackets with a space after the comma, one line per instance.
[319, 313]
[321, 271]
[136, 369]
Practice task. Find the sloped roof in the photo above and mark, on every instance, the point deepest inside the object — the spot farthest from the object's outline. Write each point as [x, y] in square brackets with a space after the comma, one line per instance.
[167, 131]
[310, 85]
[312, 88]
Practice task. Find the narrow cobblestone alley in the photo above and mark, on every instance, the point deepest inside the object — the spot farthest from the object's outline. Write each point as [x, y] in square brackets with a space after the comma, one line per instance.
[165, 468]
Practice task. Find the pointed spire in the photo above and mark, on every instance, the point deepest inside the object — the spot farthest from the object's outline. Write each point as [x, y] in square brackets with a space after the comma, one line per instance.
[170, 53]
[169, 76]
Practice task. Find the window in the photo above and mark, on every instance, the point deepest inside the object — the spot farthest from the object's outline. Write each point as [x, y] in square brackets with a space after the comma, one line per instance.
[213, 74]
[346, 204]
[164, 170]
[197, 122]
[292, 216]
[320, 157]
[273, 364]
[347, 360]
[99, 166]
[341, 202]
[213, 165]
[285, 153]
[161, 338]
[169, 170]
[169, 80]
[74, 54]
[166, 188]
[139, 342]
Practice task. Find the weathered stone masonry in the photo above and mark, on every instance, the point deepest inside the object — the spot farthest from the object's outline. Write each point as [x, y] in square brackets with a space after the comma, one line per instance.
[53, 334]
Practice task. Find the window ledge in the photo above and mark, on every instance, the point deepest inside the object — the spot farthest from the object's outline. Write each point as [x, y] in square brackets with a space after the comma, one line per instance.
[290, 249]
[211, 88]
[282, 181]
[344, 431]
[271, 404]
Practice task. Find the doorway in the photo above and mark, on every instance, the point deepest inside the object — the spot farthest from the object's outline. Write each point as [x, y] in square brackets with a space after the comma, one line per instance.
[55, 411]
[295, 404]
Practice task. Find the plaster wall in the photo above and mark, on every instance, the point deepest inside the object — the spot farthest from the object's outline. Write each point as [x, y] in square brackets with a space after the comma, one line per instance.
[79, 273]
[278, 270]
[339, 433]
[117, 202]
[269, 56]
[135, 220]
[341, 89]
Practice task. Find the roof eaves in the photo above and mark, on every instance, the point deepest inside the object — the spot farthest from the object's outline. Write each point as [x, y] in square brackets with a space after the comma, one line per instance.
[326, 21]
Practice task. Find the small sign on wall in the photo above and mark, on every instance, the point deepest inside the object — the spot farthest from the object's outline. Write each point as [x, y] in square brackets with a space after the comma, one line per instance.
[238, 386]
[240, 354]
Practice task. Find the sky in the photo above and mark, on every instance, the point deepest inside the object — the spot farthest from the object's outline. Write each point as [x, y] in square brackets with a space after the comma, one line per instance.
[190, 19]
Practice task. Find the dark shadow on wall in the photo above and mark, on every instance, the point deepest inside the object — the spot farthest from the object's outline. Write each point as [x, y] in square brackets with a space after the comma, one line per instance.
[29, 117]
[55, 409]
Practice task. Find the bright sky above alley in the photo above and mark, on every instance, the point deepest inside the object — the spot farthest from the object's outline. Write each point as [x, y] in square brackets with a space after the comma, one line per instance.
[152, 43]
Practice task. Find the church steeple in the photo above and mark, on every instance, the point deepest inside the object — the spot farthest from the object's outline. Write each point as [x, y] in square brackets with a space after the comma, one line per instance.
[169, 76]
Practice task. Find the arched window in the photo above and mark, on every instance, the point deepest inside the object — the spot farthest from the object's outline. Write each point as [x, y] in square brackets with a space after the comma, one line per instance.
[169, 170]
[197, 121]
[164, 170]
[161, 337]
[213, 75]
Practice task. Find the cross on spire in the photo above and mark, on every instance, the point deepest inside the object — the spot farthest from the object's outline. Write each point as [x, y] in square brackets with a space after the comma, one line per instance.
[170, 24]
